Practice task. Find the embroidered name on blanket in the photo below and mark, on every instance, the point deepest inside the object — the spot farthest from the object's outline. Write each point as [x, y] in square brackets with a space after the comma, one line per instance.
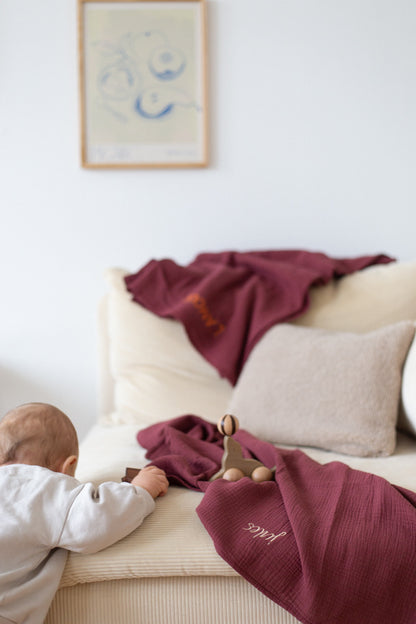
[258, 531]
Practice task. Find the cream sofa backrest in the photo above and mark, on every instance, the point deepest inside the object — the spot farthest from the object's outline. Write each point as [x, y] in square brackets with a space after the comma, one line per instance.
[149, 371]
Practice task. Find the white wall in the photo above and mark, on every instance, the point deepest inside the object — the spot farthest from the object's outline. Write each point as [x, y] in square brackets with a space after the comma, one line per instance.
[313, 130]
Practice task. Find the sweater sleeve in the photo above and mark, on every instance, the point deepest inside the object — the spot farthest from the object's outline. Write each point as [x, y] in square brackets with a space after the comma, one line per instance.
[100, 517]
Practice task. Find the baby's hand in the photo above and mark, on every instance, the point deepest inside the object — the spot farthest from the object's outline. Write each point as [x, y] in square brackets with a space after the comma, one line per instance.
[153, 480]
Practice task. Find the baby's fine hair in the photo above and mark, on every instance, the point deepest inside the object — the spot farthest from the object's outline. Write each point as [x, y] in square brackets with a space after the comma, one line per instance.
[38, 434]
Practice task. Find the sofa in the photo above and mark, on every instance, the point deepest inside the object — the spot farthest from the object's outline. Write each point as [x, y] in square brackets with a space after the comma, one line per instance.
[338, 382]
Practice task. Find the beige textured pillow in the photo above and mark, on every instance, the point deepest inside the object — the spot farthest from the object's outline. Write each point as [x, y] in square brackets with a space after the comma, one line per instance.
[334, 390]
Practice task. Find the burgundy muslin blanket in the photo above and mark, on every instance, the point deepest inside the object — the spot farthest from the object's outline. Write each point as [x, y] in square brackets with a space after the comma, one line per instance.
[329, 544]
[227, 301]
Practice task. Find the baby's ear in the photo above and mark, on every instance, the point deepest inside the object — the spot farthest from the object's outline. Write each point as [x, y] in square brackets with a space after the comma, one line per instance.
[69, 465]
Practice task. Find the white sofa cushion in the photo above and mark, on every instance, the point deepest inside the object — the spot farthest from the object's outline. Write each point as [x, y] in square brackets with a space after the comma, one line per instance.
[365, 300]
[407, 418]
[156, 371]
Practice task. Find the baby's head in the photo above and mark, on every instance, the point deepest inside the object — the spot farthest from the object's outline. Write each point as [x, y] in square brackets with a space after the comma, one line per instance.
[40, 435]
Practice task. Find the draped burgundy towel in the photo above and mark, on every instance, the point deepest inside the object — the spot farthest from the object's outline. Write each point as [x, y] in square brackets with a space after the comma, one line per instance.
[227, 301]
[330, 544]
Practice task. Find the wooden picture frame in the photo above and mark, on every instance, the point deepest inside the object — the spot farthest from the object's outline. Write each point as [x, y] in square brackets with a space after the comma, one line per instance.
[143, 92]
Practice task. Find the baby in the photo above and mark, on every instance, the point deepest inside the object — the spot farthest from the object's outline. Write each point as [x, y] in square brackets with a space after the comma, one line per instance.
[45, 511]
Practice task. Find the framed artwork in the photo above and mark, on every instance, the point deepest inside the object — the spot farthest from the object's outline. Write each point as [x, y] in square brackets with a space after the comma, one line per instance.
[143, 83]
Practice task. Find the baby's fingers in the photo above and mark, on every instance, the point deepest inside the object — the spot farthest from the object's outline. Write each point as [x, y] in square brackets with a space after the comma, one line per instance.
[155, 470]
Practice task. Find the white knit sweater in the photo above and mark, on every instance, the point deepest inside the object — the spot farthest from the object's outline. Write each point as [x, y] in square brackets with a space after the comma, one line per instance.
[43, 515]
